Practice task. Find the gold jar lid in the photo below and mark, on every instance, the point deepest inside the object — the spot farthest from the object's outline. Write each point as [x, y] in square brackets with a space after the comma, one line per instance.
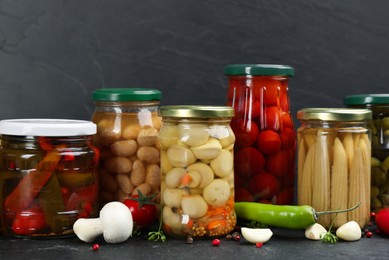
[184, 111]
[334, 114]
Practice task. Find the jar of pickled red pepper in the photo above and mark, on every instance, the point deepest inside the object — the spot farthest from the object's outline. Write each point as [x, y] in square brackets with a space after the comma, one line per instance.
[127, 135]
[265, 135]
[48, 176]
[197, 189]
[334, 150]
[379, 105]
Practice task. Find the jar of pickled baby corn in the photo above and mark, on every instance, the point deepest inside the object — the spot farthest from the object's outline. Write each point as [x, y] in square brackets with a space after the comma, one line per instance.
[379, 105]
[334, 151]
[265, 146]
[127, 135]
[48, 176]
[197, 189]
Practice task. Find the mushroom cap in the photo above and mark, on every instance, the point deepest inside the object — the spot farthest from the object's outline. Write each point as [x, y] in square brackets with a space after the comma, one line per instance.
[117, 223]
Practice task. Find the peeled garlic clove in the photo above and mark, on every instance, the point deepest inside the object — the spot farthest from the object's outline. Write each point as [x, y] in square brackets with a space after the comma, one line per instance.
[313, 232]
[207, 151]
[349, 231]
[256, 235]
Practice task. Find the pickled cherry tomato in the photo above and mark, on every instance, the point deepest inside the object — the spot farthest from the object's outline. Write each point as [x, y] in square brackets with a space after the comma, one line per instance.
[272, 118]
[248, 160]
[286, 119]
[267, 90]
[277, 164]
[242, 194]
[284, 102]
[285, 197]
[264, 185]
[246, 132]
[288, 137]
[269, 142]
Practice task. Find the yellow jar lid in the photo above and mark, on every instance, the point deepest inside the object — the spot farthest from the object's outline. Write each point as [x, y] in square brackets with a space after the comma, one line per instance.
[182, 111]
[334, 114]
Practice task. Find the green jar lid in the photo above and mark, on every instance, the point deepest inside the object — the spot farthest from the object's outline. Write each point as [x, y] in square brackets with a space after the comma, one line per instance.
[196, 111]
[126, 94]
[366, 99]
[258, 70]
[334, 114]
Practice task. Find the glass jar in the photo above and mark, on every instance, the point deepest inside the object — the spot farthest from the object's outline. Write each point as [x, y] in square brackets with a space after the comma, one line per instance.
[265, 147]
[197, 189]
[379, 105]
[48, 176]
[334, 150]
[127, 135]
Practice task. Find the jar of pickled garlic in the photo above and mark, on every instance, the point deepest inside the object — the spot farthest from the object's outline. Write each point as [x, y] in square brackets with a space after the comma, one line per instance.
[127, 135]
[265, 135]
[48, 176]
[379, 105]
[197, 189]
[334, 150]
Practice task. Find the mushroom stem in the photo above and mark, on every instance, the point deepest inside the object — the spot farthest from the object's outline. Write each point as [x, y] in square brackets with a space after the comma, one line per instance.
[88, 229]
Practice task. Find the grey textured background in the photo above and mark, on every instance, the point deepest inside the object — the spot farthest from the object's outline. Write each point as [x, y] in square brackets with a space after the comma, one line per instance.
[54, 53]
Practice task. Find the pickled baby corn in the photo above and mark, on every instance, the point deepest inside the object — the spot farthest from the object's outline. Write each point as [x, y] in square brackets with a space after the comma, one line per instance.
[357, 186]
[305, 178]
[339, 182]
[321, 178]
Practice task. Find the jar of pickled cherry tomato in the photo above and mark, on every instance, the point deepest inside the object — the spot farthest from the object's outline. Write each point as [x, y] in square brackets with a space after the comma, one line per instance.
[127, 135]
[265, 134]
[379, 106]
[334, 151]
[48, 176]
[197, 189]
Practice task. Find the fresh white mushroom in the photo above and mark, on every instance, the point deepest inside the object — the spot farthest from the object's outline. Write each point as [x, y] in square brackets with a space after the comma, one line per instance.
[115, 224]
[207, 151]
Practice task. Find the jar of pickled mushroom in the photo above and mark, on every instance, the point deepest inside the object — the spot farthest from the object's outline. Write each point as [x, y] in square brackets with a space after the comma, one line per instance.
[197, 189]
[379, 105]
[48, 176]
[127, 135]
[334, 150]
[265, 135]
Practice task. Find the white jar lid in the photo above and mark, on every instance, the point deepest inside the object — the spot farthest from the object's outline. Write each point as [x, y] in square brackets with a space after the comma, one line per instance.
[47, 127]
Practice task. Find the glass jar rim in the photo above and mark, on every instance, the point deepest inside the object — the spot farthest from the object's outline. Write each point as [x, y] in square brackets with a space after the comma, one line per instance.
[47, 127]
[196, 111]
[259, 70]
[126, 94]
[334, 114]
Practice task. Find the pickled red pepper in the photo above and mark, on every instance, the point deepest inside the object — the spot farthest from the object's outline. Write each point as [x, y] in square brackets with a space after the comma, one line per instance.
[31, 184]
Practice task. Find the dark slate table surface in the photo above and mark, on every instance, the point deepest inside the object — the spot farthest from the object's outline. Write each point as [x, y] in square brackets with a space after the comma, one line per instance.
[285, 244]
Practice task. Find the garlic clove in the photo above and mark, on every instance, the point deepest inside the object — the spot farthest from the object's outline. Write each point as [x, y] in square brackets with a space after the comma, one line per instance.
[315, 231]
[349, 231]
[256, 235]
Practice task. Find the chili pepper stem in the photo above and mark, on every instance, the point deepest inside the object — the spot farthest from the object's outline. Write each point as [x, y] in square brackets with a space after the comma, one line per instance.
[337, 211]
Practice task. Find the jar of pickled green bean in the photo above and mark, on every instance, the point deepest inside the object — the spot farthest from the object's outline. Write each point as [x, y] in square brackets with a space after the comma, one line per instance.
[379, 105]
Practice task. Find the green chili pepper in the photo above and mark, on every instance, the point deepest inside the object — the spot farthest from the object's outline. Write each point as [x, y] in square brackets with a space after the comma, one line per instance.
[283, 216]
